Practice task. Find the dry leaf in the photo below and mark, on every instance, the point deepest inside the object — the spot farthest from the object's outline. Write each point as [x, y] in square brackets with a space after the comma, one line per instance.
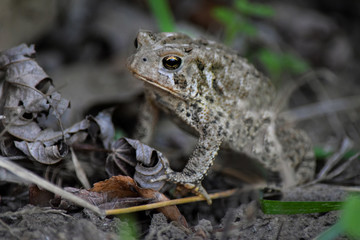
[46, 155]
[171, 212]
[121, 160]
[117, 186]
[106, 128]
[99, 199]
[32, 110]
[148, 162]
[39, 197]
[123, 186]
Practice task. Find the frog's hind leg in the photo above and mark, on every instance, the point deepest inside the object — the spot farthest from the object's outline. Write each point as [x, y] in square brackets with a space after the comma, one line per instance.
[268, 150]
[298, 152]
[288, 151]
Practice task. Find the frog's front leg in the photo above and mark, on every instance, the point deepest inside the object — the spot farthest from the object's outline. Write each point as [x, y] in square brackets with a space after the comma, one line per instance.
[197, 167]
[146, 121]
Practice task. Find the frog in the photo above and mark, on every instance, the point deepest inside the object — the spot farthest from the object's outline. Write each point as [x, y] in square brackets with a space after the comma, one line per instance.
[211, 91]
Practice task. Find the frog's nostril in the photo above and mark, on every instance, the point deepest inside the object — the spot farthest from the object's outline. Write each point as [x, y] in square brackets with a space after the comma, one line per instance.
[144, 59]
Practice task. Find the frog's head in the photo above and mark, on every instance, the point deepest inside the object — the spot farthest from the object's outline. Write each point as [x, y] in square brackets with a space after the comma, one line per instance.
[164, 60]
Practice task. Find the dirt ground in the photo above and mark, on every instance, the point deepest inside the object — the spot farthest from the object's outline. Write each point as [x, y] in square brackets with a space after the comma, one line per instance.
[83, 45]
[243, 221]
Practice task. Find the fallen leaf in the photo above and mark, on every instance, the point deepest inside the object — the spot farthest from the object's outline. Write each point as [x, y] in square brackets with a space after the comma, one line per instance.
[128, 154]
[171, 212]
[32, 110]
[99, 199]
[106, 128]
[121, 160]
[124, 186]
[39, 197]
[117, 186]
[46, 155]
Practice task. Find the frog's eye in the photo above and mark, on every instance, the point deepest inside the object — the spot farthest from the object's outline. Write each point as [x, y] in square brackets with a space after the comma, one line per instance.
[171, 62]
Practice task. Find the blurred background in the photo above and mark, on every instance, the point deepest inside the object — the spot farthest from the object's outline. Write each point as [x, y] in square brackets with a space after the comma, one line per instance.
[311, 44]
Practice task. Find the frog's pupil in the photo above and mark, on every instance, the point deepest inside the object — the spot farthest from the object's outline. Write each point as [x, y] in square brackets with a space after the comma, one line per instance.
[171, 62]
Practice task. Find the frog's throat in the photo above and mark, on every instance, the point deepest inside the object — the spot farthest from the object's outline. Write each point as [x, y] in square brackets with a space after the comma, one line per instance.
[155, 84]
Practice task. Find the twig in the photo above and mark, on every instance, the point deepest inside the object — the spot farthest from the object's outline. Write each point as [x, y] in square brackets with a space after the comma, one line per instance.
[223, 194]
[285, 92]
[335, 158]
[80, 173]
[350, 189]
[343, 166]
[324, 107]
[31, 177]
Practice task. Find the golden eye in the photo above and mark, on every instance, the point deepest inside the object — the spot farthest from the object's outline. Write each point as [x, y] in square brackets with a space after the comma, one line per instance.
[171, 62]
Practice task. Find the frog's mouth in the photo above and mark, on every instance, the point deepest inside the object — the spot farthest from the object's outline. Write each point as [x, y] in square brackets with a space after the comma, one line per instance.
[158, 86]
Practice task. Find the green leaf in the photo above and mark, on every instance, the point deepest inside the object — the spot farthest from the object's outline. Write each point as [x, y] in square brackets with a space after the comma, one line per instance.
[280, 207]
[295, 64]
[349, 154]
[246, 28]
[128, 228]
[119, 133]
[251, 9]
[225, 15]
[163, 15]
[350, 218]
[278, 63]
[332, 233]
[320, 153]
[272, 62]
[233, 24]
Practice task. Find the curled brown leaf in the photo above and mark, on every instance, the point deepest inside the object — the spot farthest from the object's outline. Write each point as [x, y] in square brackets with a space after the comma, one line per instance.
[133, 158]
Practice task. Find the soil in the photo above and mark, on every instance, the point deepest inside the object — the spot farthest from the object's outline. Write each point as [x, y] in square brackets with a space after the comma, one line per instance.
[245, 221]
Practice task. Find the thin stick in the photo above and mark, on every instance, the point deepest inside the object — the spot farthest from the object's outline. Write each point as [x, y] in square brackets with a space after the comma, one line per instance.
[79, 170]
[223, 194]
[33, 178]
[323, 107]
[350, 189]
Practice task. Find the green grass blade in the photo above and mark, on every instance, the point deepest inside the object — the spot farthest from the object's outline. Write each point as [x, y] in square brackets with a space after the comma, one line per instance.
[225, 15]
[332, 233]
[280, 207]
[252, 9]
[320, 153]
[163, 15]
[350, 217]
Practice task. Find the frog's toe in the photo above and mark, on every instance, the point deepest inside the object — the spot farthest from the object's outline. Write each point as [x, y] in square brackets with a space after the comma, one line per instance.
[177, 178]
[159, 178]
[171, 176]
[167, 176]
[199, 190]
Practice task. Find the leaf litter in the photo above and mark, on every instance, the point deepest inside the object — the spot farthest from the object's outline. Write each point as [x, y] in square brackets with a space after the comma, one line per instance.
[29, 102]
[32, 111]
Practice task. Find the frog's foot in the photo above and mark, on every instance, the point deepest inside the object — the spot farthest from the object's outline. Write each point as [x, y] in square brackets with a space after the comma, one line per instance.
[167, 176]
[199, 190]
[178, 178]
